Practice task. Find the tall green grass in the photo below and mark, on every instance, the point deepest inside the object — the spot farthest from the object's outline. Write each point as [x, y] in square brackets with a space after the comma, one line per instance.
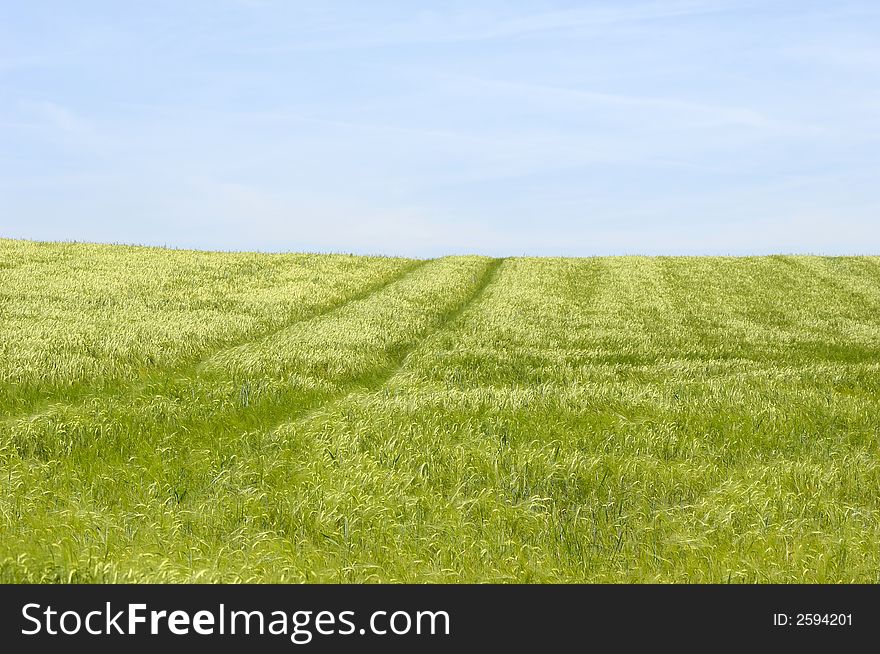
[463, 419]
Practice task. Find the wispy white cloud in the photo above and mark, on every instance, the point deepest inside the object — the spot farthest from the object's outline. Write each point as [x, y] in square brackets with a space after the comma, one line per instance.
[602, 16]
[475, 24]
[55, 116]
[54, 122]
[849, 56]
[696, 112]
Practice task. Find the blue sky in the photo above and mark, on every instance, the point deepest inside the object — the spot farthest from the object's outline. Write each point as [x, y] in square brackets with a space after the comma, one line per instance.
[417, 128]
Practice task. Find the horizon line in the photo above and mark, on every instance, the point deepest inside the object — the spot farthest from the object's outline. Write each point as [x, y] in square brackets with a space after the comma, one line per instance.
[180, 248]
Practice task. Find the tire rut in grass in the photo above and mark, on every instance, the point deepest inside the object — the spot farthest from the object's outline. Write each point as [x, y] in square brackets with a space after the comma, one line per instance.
[190, 410]
[378, 379]
[190, 369]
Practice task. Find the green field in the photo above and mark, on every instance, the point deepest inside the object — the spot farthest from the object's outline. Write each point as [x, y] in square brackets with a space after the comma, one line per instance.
[172, 416]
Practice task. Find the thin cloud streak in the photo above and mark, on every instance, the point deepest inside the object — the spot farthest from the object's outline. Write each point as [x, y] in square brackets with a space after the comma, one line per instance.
[494, 26]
